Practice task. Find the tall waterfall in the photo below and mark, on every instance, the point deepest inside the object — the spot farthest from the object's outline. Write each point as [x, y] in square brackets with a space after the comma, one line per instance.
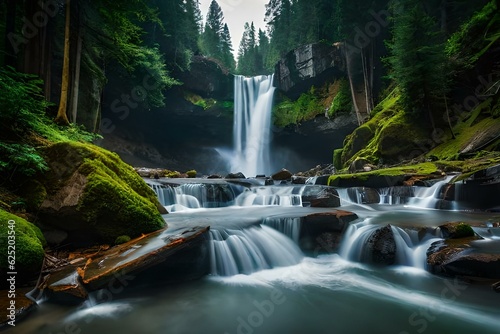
[253, 101]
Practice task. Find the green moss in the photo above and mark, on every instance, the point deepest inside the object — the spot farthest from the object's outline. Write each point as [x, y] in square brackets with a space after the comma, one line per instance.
[426, 168]
[34, 193]
[116, 200]
[191, 173]
[172, 174]
[122, 239]
[342, 102]
[337, 158]
[29, 243]
[356, 141]
[306, 107]
[463, 230]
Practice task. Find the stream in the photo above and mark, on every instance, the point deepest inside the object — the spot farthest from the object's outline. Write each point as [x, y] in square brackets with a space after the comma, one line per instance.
[261, 282]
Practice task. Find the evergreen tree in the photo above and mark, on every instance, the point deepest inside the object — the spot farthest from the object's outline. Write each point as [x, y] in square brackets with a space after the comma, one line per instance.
[211, 39]
[227, 49]
[417, 58]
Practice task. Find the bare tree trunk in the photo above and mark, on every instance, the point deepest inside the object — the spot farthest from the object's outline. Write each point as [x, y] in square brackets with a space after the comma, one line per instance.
[76, 80]
[448, 115]
[351, 84]
[61, 117]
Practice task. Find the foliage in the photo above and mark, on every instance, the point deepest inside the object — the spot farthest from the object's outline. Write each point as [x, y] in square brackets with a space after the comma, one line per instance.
[307, 106]
[342, 102]
[21, 158]
[474, 37]
[417, 58]
[122, 239]
[191, 173]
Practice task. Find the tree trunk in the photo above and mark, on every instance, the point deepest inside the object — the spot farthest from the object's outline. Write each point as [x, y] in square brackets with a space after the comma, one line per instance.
[10, 27]
[76, 81]
[351, 84]
[61, 117]
[448, 116]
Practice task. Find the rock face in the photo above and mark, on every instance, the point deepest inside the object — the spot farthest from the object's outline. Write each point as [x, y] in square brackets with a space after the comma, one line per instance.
[94, 197]
[308, 65]
[208, 78]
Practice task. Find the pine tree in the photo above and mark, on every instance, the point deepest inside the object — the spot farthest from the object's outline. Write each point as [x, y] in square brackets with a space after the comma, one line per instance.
[417, 59]
[211, 39]
[227, 49]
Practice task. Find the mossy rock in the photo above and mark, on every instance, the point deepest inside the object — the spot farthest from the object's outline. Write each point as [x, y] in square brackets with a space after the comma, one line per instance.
[337, 158]
[356, 141]
[456, 230]
[95, 196]
[122, 239]
[34, 194]
[29, 243]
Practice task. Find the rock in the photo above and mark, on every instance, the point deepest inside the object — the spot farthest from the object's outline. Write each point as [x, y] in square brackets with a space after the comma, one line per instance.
[214, 176]
[458, 257]
[269, 182]
[321, 197]
[381, 247]
[363, 195]
[238, 175]
[358, 165]
[308, 65]
[283, 174]
[23, 306]
[496, 287]
[299, 179]
[456, 230]
[322, 232]
[95, 197]
[207, 78]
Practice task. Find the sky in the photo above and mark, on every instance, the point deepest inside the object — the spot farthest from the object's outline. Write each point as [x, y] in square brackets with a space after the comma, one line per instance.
[236, 13]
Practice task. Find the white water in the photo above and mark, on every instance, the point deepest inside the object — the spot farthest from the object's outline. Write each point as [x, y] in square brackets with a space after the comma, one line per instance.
[427, 197]
[252, 249]
[253, 102]
[271, 195]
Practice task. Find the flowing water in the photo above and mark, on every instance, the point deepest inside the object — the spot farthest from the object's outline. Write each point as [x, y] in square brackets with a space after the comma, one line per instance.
[260, 281]
[253, 102]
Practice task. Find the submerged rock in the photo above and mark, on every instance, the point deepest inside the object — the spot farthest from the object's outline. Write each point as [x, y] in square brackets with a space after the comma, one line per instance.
[238, 175]
[321, 197]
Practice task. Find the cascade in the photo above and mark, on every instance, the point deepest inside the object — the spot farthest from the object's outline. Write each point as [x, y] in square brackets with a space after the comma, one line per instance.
[410, 248]
[249, 250]
[195, 195]
[428, 197]
[253, 100]
[289, 226]
[271, 195]
[396, 195]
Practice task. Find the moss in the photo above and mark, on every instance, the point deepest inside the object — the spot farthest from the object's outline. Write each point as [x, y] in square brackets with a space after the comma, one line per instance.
[463, 230]
[423, 169]
[172, 174]
[337, 158]
[29, 243]
[342, 102]
[34, 193]
[356, 141]
[122, 239]
[191, 173]
[116, 200]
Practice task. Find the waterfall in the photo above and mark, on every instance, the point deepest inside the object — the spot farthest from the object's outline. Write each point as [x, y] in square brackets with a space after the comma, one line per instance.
[289, 226]
[271, 195]
[429, 197]
[410, 249]
[253, 100]
[249, 250]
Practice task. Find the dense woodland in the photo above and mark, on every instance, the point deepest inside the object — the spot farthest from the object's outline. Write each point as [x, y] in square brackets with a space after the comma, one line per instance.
[58, 57]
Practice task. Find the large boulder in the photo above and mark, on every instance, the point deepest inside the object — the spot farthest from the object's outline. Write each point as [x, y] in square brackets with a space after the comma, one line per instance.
[321, 197]
[308, 65]
[95, 197]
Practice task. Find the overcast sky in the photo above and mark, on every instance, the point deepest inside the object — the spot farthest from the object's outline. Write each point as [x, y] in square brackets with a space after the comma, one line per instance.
[236, 13]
